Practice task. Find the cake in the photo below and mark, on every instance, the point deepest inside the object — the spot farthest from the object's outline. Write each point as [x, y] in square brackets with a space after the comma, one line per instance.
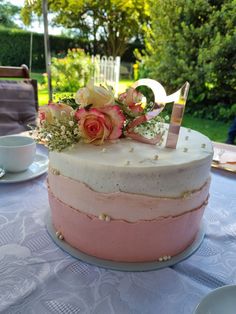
[129, 201]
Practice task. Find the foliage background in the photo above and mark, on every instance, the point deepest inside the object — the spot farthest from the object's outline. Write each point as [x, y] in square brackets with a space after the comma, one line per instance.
[184, 40]
[194, 41]
[71, 72]
[8, 12]
[109, 24]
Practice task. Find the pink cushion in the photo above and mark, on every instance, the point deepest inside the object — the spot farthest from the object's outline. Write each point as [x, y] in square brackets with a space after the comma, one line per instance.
[17, 107]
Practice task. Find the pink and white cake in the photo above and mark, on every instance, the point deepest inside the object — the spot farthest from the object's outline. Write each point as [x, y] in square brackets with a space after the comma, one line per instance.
[129, 201]
[124, 186]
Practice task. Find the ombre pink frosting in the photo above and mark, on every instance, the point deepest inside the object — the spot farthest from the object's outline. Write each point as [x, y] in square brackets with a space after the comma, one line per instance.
[119, 240]
[120, 205]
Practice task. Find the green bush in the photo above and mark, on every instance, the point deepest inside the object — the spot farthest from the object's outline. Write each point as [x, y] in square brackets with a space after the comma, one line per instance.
[194, 41]
[71, 72]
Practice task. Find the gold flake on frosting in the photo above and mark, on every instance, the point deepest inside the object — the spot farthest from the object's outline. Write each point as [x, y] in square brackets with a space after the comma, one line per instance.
[187, 194]
[149, 160]
[54, 171]
[108, 218]
[104, 217]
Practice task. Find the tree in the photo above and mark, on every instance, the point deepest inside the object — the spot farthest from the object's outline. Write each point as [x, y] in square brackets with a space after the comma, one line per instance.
[195, 41]
[114, 23]
[8, 13]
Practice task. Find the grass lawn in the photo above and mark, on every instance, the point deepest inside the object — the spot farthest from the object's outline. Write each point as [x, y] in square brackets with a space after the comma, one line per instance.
[37, 76]
[123, 84]
[43, 97]
[215, 130]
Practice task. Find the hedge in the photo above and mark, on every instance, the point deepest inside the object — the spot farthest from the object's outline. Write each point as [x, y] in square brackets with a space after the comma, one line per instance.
[15, 47]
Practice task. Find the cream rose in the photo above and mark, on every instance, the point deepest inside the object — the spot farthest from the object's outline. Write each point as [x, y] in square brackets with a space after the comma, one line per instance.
[97, 96]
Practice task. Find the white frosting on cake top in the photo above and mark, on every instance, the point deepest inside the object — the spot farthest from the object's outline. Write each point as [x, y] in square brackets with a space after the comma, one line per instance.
[134, 167]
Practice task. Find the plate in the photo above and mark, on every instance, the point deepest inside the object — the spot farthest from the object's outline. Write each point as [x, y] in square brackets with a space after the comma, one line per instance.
[220, 301]
[222, 154]
[124, 266]
[37, 168]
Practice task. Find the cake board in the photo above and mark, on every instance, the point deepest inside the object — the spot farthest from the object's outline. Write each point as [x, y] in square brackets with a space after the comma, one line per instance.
[125, 266]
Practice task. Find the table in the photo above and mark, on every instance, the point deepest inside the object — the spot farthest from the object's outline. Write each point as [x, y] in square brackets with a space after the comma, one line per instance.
[36, 276]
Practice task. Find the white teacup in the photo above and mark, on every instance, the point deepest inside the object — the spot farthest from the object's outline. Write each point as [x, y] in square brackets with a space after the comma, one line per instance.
[17, 152]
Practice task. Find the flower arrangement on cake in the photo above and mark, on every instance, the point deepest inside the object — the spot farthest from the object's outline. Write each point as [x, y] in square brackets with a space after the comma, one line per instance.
[97, 117]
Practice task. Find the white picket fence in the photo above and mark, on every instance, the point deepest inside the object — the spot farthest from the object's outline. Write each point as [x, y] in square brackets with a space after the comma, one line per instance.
[107, 71]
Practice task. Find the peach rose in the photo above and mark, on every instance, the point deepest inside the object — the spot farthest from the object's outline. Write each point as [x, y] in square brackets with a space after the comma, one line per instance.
[54, 110]
[97, 96]
[99, 124]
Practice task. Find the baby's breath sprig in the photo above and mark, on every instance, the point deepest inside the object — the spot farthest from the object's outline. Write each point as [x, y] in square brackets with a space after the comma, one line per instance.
[58, 134]
[151, 128]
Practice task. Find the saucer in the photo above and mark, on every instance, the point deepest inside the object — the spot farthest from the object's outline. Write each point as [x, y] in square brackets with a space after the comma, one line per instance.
[224, 157]
[37, 168]
[220, 300]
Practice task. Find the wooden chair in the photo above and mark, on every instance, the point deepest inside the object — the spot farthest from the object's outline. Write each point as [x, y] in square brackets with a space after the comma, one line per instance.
[20, 72]
[18, 99]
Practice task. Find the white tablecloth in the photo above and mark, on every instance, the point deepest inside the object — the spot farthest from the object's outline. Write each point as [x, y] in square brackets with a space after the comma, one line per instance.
[36, 276]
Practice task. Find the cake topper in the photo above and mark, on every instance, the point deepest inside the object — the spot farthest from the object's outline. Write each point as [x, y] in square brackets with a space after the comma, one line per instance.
[177, 116]
[160, 99]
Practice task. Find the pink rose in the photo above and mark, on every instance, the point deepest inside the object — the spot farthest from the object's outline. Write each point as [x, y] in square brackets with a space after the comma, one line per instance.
[132, 98]
[99, 124]
[136, 108]
[44, 114]
[54, 110]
